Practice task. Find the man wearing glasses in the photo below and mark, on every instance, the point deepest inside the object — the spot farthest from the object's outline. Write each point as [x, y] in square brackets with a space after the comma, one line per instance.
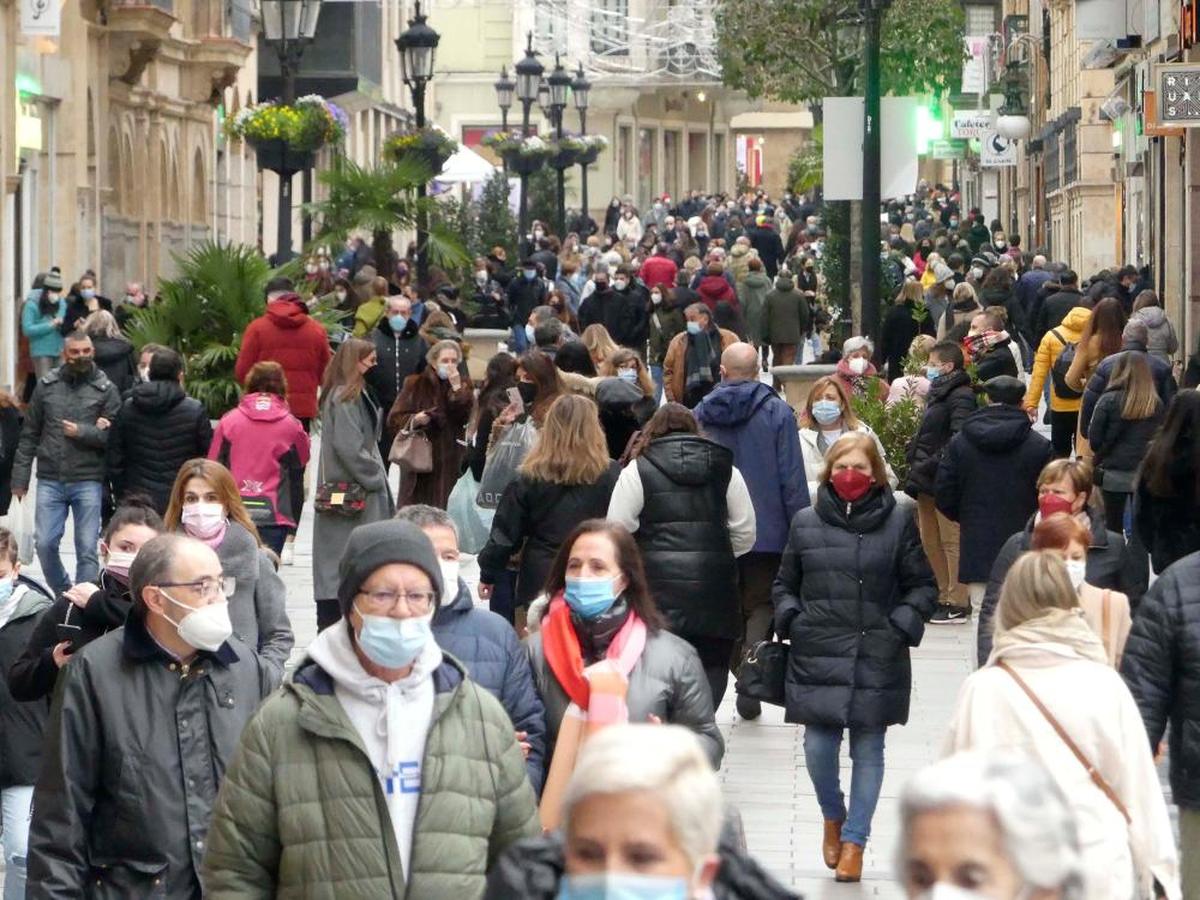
[381, 770]
[147, 720]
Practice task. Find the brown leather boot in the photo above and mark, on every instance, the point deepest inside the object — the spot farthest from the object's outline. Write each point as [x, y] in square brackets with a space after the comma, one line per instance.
[849, 867]
[831, 846]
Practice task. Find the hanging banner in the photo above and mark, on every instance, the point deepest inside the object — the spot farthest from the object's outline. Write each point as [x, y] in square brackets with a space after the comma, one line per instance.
[996, 152]
[40, 18]
[975, 66]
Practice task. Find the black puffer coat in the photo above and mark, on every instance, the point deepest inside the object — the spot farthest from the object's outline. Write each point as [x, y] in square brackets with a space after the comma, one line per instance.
[1161, 665]
[535, 517]
[987, 483]
[532, 869]
[1169, 527]
[399, 355]
[21, 723]
[683, 533]
[116, 358]
[853, 593]
[1119, 444]
[1108, 566]
[158, 429]
[951, 399]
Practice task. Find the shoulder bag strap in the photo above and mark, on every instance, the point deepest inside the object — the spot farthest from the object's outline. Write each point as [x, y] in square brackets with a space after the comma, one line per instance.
[1105, 615]
[1097, 778]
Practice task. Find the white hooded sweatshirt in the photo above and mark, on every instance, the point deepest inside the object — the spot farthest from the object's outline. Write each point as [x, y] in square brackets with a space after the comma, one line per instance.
[392, 719]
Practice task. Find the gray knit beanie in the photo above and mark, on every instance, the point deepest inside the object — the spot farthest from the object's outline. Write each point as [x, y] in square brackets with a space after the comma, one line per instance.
[378, 544]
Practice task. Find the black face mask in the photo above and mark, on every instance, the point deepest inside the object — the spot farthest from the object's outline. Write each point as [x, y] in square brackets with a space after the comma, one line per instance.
[528, 391]
[79, 368]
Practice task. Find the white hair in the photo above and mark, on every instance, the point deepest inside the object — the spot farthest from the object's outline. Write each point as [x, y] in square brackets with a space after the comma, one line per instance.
[665, 760]
[1037, 826]
[853, 344]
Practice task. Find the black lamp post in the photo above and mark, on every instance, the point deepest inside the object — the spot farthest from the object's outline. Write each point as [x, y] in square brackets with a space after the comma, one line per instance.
[560, 86]
[288, 26]
[872, 13]
[580, 88]
[418, 49]
[505, 88]
[529, 76]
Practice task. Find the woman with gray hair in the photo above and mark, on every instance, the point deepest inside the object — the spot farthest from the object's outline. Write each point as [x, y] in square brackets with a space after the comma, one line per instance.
[1048, 689]
[856, 372]
[643, 817]
[988, 825]
[114, 353]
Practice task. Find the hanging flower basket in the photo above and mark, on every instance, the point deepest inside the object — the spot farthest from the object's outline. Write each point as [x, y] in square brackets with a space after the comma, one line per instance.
[303, 127]
[429, 145]
[593, 144]
[522, 155]
[564, 151]
[281, 157]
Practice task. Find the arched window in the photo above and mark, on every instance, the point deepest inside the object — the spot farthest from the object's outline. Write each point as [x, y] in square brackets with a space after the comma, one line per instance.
[199, 188]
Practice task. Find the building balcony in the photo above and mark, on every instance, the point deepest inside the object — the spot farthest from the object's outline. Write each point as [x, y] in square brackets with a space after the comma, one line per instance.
[136, 31]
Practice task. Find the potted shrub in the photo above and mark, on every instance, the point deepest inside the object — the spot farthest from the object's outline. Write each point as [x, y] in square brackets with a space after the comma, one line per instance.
[285, 136]
[430, 145]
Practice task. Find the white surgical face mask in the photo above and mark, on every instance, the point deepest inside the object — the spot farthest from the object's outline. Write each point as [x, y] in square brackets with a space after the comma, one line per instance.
[1077, 572]
[144, 373]
[944, 891]
[449, 569]
[858, 365]
[206, 628]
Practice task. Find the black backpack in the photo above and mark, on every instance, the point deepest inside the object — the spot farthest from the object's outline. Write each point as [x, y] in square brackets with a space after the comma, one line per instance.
[1059, 368]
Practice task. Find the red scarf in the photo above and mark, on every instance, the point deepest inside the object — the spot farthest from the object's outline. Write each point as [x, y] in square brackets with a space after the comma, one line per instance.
[565, 658]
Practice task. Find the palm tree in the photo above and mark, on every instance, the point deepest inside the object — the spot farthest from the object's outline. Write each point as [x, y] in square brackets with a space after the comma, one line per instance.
[382, 200]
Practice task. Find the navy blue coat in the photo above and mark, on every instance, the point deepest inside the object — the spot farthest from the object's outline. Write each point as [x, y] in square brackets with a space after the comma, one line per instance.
[488, 647]
[987, 483]
[1164, 382]
[760, 428]
[853, 593]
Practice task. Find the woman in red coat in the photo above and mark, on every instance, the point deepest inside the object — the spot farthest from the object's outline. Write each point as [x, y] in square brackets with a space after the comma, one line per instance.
[713, 288]
[437, 402]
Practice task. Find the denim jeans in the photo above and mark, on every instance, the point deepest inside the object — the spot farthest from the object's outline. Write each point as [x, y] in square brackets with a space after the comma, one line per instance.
[15, 803]
[520, 339]
[657, 376]
[274, 536]
[55, 499]
[822, 749]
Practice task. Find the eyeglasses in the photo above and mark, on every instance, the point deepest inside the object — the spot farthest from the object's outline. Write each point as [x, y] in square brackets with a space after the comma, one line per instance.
[418, 603]
[207, 588]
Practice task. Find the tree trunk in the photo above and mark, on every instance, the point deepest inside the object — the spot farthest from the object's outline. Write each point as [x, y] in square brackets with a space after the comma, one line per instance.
[854, 265]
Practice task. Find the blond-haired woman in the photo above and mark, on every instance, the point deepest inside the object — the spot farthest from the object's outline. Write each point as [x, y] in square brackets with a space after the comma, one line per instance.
[964, 304]
[853, 593]
[349, 467]
[827, 416]
[599, 344]
[565, 479]
[436, 402]
[625, 396]
[114, 352]
[1048, 690]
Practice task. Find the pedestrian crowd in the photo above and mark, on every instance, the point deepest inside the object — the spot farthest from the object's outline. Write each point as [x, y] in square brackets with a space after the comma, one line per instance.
[520, 653]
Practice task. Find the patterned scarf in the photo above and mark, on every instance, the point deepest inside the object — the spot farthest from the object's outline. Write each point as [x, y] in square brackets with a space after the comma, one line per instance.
[977, 345]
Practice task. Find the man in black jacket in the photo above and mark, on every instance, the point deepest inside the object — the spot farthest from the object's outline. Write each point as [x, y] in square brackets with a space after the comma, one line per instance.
[525, 291]
[151, 715]
[1162, 669]
[1050, 312]
[951, 399]
[401, 352]
[158, 429]
[765, 239]
[630, 326]
[987, 480]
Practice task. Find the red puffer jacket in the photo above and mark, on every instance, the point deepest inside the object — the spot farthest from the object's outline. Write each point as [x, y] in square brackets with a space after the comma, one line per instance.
[713, 289]
[285, 334]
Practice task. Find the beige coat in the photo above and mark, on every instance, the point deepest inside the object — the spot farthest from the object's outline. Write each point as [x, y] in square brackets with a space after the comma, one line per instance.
[1095, 707]
[1118, 619]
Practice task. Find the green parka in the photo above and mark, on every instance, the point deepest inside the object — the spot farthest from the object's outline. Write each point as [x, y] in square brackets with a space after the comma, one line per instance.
[752, 294]
[302, 814]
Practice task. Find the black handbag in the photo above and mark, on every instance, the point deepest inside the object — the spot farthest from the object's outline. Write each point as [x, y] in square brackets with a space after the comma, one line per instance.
[762, 672]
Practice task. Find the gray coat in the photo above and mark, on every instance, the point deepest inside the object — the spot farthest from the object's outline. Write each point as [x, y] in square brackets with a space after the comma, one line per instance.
[135, 752]
[258, 605]
[667, 682]
[59, 457]
[349, 452]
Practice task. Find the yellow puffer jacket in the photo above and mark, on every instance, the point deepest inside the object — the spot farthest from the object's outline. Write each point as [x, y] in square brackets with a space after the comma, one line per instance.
[1071, 330]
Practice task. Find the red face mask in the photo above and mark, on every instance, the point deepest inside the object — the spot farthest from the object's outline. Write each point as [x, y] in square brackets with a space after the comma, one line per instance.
[851, 484]
[1049, 504]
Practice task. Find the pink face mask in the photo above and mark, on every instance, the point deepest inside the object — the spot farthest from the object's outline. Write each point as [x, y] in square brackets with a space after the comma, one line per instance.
[203, 520]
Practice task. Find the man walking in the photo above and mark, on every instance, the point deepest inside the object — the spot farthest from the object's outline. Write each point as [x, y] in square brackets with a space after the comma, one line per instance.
[66, 428]
[286, 334]
[150, 716]
[754, 422]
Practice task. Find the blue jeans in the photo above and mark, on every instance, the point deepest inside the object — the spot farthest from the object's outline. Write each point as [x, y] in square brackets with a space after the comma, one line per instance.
[656, 374]
[55, 499]
[520, 339]
[15, 803]
[822, 748]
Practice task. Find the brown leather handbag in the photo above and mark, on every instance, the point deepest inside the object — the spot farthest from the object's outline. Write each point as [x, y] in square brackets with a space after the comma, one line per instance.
[412, 451]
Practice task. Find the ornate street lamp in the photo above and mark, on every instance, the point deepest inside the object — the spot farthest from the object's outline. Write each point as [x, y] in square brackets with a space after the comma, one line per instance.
[418, 49]
[289, 26]
[580, 91]
[529, 76]
[543, 98]
[560, 87]
[505, 88]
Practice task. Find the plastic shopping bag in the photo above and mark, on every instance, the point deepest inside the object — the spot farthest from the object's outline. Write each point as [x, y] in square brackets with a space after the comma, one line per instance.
[19, 520]
[505, 458]
[472, 533]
